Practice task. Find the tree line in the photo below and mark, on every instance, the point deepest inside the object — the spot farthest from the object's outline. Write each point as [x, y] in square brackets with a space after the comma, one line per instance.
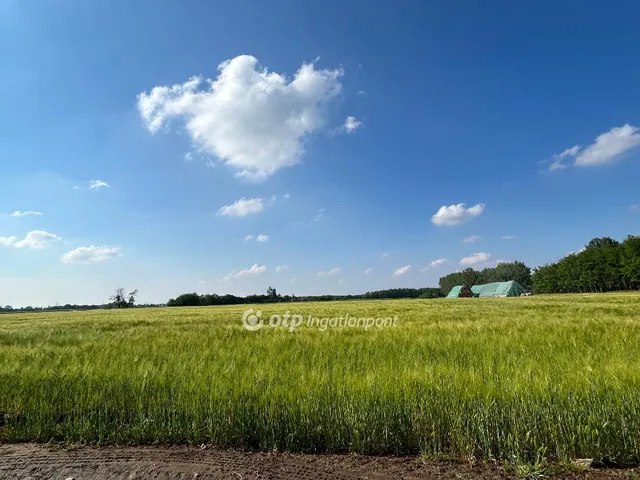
[604, 265]
[503, 272]
[196, 299]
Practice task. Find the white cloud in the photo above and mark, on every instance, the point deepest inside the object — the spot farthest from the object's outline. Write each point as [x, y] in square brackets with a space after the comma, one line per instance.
[282, 268]
[556, 163]
[351, 124]
[606, 148]
[368, 271]
[471, 239]
[251, 119]
[318, 216]
[385, 255]
[402, 270]
[242, 207]
[98, 184]
[250, 272]
[361, 92]
[7, 241]
[28, 213]
[508, 237]
[287, 196]
[437, 262]
[188, 156]
[333, 271]
[476, 258]
[609, 146]
[262, 238]
[342, 281]
[248, 238]
[456, 214]
[37, 239]
[91, 255]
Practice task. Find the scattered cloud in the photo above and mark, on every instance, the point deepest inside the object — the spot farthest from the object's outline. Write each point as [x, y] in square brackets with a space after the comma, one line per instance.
[318, 216]
[91, 255]
[242, 207]
[351, 124]
[333, 271]
[282, 268]
[262, 238]
[342, 281]
[476, 258]
[471, 239]
[287, 196]
[437, 262]
[28, 213]
[368, 271]
[606, 148]
[98, 184]
[188, 156]
[37, 239]
[401, 271]
[361, 92]
[253, 120]
[7, 241]
[456, 214]
[508, 237]
[248, 238]
[556, 160]
[250, 272]
[385, 255]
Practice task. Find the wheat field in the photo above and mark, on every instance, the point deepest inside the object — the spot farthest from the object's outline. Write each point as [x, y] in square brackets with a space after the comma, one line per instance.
[491, 378]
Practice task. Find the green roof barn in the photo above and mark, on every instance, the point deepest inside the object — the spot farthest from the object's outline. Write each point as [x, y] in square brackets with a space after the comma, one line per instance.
[494, 289]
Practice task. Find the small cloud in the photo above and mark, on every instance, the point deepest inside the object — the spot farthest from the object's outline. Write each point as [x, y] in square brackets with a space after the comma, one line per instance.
[262, 238]
[287, 196]
[188, 156]
[368, 271]
[242, 207]
[37, 239]
[401, 271]
[556, 160]
[385, 255]
[91, 255]
[250, 272]
[28, 213]
[351, 124]
[471, 239]
[282, 268]
[508, 237]
[476, 258]
[437, 262]
[75, 187]
[7, 241]
[333, 271]
[361, 92]
[98, 184]
[248, 238]
[456, 214]
[342, 281]
[318, 216]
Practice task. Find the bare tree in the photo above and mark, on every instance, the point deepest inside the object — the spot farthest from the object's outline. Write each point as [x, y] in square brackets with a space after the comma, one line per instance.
[120, 300]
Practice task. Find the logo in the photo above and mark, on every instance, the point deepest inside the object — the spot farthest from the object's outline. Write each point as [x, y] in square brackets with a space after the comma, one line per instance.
[252, 321]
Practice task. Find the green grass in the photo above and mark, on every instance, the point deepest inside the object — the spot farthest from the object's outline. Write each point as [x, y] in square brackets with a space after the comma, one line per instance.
[490, 378]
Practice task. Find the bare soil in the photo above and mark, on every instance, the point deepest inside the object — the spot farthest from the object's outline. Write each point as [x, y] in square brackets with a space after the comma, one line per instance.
[50, 462]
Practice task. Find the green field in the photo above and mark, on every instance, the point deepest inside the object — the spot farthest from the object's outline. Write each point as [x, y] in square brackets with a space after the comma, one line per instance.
[505, 378]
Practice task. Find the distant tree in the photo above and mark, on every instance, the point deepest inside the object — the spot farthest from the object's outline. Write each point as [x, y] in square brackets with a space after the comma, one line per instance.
[272, 294]
[120, 300]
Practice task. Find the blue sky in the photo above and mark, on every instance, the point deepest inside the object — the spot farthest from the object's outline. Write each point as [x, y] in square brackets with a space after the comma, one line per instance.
[348, 133]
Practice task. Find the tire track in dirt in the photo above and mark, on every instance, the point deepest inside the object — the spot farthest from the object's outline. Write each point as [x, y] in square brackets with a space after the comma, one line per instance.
[35, 462]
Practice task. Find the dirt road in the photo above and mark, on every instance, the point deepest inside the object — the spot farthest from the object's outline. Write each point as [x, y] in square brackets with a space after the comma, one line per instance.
[29, 461]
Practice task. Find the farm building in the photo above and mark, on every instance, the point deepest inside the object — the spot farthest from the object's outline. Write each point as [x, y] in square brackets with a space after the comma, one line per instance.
[494, 289]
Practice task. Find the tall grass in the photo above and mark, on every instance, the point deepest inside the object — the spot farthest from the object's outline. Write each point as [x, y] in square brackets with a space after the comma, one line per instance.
[493, 378]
